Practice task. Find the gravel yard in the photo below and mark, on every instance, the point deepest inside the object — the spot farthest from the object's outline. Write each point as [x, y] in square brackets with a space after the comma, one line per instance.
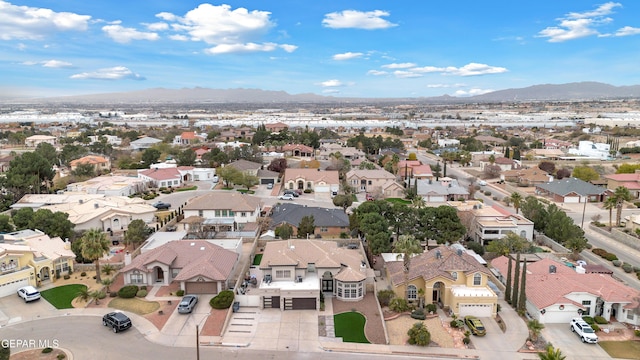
[441, 334]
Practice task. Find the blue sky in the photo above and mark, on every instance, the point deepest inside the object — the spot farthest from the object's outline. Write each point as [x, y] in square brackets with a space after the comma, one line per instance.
[340, 48]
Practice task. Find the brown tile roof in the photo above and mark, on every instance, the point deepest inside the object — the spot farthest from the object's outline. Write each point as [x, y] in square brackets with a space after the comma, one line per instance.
[193, 257]
[224, 201]
[162, 174]
[89, 159]
[430, 265]
[545, 289]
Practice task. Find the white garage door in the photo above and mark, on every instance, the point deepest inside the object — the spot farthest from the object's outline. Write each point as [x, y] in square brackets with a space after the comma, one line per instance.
[478, 310]
[436, 199]
[12, 287]
[321, 189]
[572, 199]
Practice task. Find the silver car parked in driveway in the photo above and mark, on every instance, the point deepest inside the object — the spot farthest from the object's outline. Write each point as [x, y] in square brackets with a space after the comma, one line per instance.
[187, 304]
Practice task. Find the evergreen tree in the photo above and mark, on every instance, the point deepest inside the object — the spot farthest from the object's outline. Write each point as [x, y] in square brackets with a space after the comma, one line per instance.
[522, 301]
[507, 291]
[516, 283]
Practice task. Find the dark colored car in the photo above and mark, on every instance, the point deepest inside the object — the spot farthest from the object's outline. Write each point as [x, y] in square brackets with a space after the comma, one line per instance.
[292, 192]
[475, 325]
[187, 304]
[117, 321]
[161, 205]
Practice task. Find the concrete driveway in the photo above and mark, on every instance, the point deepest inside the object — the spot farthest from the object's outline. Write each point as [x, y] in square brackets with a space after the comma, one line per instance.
[569, 343]
[494, 338]
[182, 327]
[13, 309]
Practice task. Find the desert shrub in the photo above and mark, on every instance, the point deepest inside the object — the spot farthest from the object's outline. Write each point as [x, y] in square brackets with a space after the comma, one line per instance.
[385, 296]
[589, 320]
[128, 291]
[636, 269]
[600, 320]
[398, 305]
[61, 356]
[617, 263]
[113, 294]
[466, 340]
[67, 277]
[419, 335]
[431, 308]
[84, 273]
[595, 327]
[141, 293]
[143, 287]
[418, 314]
[599, 252]
[476, 247]
[627, 268]
[611, 257]
[47, 350]
[223, 300]
[180, 293]
[637, 332]
[589, 246]
[487, 193]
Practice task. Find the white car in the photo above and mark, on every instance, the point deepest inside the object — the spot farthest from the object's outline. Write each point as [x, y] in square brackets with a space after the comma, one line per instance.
[584, 331]
[29, 293]
[482, 183]
[286, 197]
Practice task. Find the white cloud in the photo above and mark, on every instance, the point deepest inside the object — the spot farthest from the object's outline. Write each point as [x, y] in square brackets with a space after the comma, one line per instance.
[472, 92]
[575, 25]
[399, 66]
[428, 69]
[125, 35]
[376, 72]
[347, 56]
[370, 20]
[406, 74]
[113, 73]
[475, 69]
[157, 26]
[440, 86]
[331, 83]
[627, 31]
[56, 64]
[32, 23]
[228, 30]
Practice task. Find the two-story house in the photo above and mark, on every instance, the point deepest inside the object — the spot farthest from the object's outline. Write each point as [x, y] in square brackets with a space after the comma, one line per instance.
[321, 182]
[292, 273]
[379, 182]
[446, 276]
[99, 163]
[222, 212]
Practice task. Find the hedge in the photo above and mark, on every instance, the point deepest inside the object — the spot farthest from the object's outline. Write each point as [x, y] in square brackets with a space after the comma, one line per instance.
[128, 291]
[223, 300]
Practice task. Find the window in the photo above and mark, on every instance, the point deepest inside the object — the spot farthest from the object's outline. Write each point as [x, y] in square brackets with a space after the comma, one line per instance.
[629, 315]
[477, 279]
[454, 275]
[136, 278]
[224, 213]
[200, 213]
[324, 229]
[349, 290]
[311, 267]
[231, 213]
[369, 182]
[492, 232]
[218, 213]
[412, 293]
[243, 214]
[283, 274]
[587, 306]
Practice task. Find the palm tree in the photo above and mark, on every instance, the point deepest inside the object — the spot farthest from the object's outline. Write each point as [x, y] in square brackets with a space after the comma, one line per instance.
[621, 194]
[418, 202]
[551, 354]
[83, 294]
[610, 204]
[96, 295]
[107, 282]
[107, 269]
[535, 327]
[516, 199]
[407, 245]
[94, 245]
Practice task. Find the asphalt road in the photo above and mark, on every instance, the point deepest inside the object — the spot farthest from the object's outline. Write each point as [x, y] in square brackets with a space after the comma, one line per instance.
[86, 338]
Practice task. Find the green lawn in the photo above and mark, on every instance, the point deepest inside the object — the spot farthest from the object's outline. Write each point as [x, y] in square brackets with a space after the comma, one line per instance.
[350, 327]
[257, 259]
[622, 349]
[61, 296]
[398, 201]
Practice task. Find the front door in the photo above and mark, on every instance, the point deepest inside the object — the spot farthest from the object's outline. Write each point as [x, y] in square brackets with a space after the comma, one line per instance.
[327, 285]
[159, 274]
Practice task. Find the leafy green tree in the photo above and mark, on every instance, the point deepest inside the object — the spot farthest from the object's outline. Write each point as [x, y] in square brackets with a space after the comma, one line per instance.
[215, 158]
[52, 223]
[229, 175]
[559, 226]
[535, 211]
[621, 194]
[137, 232]
[84, 171]
[627, 168]
[150, 156]
[343, 201]
[585, 173]
[551, 354]
[284, 231]
[5, 224]
[419, 335]
[278, 165]
[516, 283]
[48, 152]
[576, 244]
[535, 327]
[306, 227]
[94, 246]
[507, 291]
[441, 224]
[508, 244]
[22, 218]
[516, 200]
[248, 181]
[29, 173]
[186, 157]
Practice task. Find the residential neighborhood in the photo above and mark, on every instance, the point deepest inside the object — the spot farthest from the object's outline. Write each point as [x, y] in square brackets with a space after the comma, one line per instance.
[381, 226]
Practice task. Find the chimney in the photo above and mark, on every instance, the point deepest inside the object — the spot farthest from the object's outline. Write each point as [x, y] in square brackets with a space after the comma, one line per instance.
[127, 258]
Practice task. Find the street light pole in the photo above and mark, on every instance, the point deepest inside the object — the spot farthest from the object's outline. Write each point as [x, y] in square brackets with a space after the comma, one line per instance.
[584, 209]
[197, 343]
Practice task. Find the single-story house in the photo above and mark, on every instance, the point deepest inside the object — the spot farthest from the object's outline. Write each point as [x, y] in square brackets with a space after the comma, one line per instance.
[328, 222]
[573, 190]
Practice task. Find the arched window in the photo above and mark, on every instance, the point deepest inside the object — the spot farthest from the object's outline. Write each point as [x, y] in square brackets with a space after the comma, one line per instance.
[523, 234]
[412, 292]
[477, 279]
[454, 275]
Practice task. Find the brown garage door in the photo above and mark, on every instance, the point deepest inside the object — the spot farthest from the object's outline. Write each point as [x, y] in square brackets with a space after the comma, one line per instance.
[304, 304]
[201, 287]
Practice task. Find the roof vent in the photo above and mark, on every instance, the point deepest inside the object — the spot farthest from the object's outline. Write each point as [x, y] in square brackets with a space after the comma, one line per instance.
[96, 205]
[438, 254]
[459, 252]
[552, 269]
[192, 244]
[202, 248]
[80, 201]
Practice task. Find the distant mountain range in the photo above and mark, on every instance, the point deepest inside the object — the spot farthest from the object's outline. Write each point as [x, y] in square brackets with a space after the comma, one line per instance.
[547, 92]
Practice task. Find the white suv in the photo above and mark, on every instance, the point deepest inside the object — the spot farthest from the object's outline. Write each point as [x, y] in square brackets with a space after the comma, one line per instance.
[28, 293]
[584, 330]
